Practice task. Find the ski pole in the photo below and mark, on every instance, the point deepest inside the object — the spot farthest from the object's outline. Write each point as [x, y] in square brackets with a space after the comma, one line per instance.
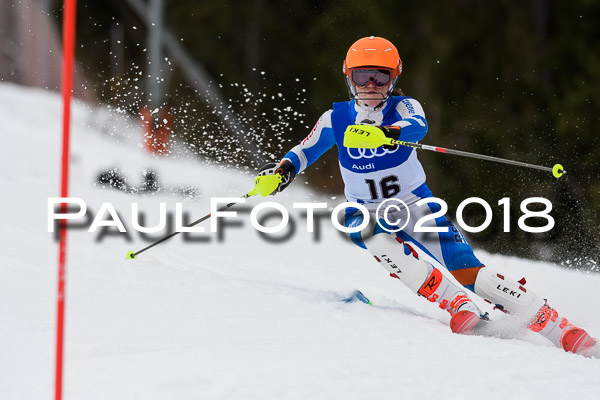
[133, 254]
[263, 185]
[371, 137]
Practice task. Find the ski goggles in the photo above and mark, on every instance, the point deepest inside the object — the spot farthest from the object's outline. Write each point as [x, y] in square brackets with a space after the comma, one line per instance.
[380, 77]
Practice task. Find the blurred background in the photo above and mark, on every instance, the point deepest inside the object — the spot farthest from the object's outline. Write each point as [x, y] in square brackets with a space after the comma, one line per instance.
[240, 82]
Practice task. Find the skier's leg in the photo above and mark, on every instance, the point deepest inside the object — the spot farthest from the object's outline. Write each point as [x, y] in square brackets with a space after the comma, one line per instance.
[455, 253]
[403, 262]
[507, 294]
[511, 296]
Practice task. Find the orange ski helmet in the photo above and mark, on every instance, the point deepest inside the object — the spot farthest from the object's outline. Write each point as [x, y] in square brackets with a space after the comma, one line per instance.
[374, 52]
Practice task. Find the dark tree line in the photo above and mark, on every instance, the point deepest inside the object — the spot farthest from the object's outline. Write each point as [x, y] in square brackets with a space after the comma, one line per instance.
[512, 79]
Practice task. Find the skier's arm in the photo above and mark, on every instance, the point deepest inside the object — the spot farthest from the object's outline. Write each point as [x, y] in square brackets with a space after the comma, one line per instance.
[413, 126]
[318, 141]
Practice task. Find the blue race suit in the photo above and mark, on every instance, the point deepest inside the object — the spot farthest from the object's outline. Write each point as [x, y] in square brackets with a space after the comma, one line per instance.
[374, 175]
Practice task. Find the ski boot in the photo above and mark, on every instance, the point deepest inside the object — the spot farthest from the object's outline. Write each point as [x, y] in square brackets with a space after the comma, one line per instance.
[466, 317]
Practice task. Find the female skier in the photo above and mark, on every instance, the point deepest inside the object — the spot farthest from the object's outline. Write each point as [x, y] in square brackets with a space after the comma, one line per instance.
[371, 176]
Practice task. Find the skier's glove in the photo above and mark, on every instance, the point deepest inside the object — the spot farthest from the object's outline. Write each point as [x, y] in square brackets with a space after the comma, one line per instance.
[392, 132]
[286, 169]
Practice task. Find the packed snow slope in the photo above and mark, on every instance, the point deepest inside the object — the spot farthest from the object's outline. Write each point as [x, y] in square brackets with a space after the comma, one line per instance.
[239, 318]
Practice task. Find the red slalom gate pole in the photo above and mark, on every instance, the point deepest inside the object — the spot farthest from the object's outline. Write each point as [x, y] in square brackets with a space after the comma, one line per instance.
[69, 8]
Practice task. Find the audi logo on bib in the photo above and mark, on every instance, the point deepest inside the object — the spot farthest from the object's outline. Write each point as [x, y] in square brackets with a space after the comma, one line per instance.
[369, 153]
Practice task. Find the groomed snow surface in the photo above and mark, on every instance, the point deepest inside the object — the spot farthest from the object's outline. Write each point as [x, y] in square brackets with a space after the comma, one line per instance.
[241, 318]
